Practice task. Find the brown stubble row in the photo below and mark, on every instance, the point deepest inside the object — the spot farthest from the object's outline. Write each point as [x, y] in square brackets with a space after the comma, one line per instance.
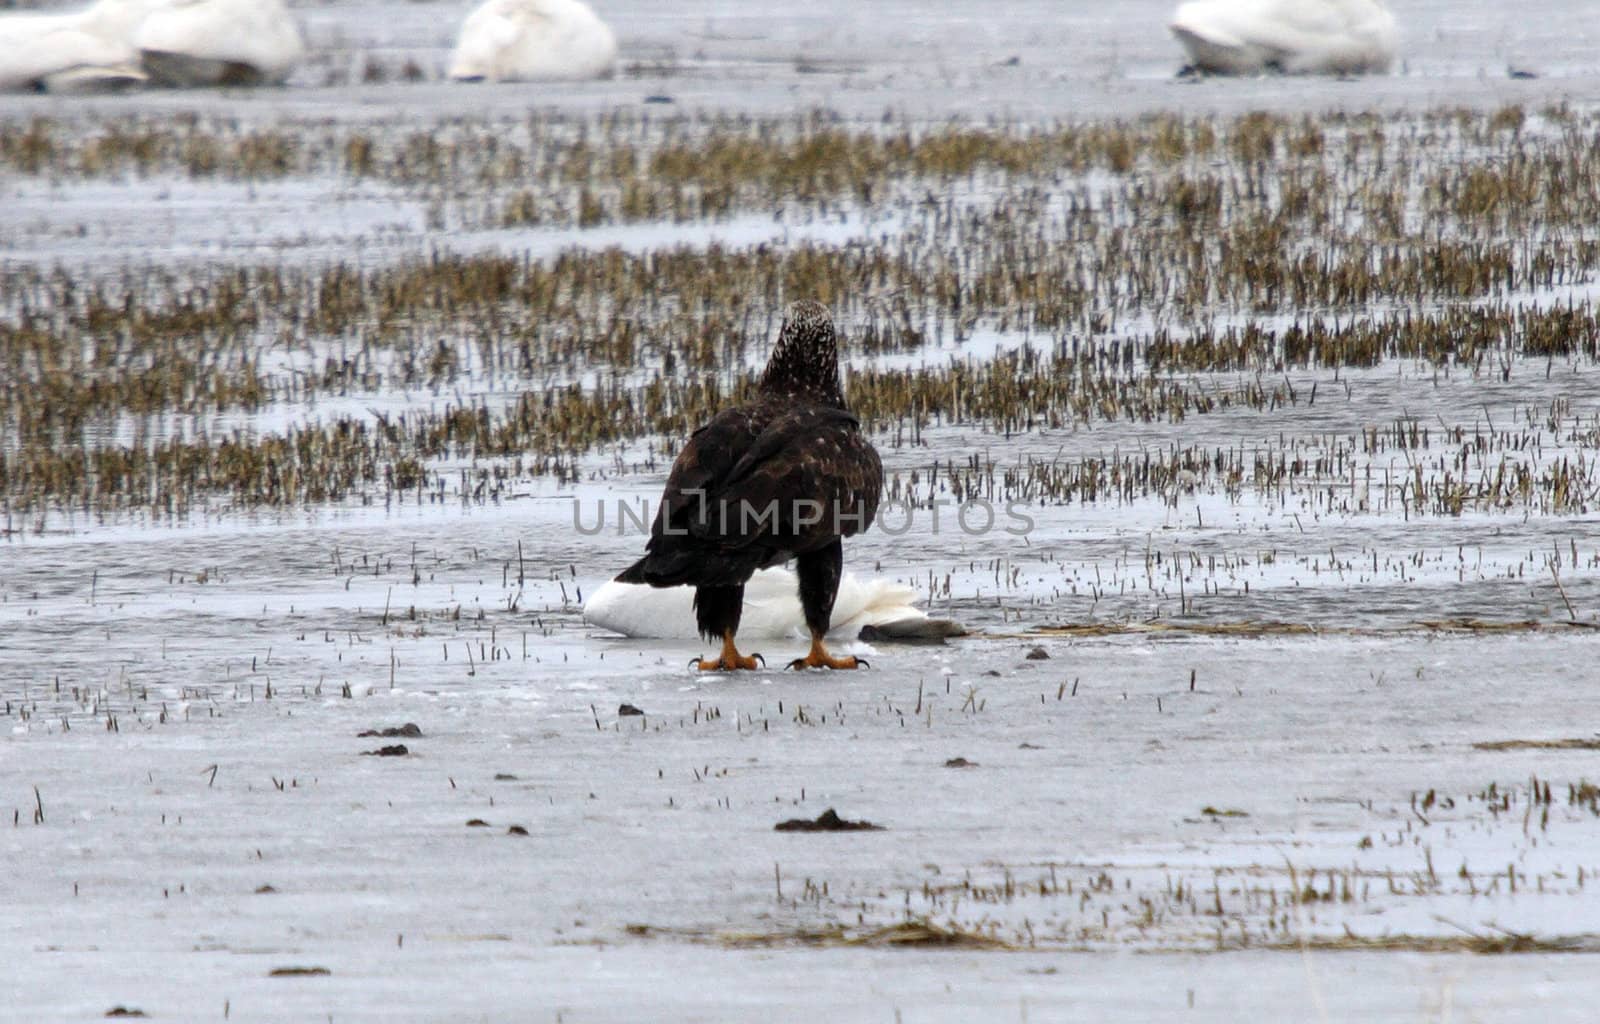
[687, 168]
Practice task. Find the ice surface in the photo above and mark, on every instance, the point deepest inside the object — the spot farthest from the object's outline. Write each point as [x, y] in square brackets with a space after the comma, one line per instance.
[139, 658]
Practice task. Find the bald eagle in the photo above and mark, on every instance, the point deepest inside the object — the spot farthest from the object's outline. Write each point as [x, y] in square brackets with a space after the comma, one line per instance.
[785, 476]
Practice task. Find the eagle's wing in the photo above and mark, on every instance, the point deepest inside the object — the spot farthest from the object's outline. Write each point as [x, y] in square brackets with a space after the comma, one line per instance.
[707, 459]
[674, 555]
[809, 477]
[756, 486]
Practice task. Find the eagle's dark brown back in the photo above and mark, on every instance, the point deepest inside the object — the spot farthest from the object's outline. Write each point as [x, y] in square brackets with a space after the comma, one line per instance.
[743, 488]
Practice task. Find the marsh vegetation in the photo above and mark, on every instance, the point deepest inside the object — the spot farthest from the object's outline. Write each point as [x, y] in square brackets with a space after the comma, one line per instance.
[1002, 277]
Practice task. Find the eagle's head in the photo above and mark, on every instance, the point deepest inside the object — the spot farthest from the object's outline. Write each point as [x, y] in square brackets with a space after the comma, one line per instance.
[805, 362]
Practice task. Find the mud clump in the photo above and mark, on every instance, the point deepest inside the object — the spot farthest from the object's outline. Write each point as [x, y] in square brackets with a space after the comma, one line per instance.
[827, 821]
[925, 933]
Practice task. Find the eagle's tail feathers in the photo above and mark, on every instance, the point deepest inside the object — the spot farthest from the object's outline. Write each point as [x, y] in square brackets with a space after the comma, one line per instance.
[678, 568]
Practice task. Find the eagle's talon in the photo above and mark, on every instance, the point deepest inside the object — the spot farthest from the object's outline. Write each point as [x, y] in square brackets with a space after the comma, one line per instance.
[818, 657]
[730, 660]
[742, 664]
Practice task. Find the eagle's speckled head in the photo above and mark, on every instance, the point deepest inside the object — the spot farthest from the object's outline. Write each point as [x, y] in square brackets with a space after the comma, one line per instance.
[805, 362]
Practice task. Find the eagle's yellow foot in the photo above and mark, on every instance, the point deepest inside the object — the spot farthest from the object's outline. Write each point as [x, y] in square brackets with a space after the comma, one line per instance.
[818, 657]
[727, 664]
[729, 660]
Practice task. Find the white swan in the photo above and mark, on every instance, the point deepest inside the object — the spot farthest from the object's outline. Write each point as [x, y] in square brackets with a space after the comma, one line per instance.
[1240, 37]
[533, 40]
[117, 43]
[187, 43]
[79, 51]
[771, 607]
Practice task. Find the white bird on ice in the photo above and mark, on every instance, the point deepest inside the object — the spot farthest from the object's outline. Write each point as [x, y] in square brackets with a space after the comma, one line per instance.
[187, 43]
[771, 607]
[79, 51]
[533, 40]
[1241, 37]
[120, 43]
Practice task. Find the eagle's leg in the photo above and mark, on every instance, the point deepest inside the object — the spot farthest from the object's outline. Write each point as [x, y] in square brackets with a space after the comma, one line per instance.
[716, 612]
[819, 584]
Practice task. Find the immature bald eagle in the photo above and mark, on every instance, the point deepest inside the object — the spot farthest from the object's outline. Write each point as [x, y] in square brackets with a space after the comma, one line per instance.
[782, 477]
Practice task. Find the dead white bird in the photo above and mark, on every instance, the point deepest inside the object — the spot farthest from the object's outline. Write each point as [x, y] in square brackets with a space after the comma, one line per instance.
[771, 607]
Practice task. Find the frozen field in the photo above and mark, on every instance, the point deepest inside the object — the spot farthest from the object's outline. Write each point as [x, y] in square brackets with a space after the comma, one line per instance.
[1281, 709]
